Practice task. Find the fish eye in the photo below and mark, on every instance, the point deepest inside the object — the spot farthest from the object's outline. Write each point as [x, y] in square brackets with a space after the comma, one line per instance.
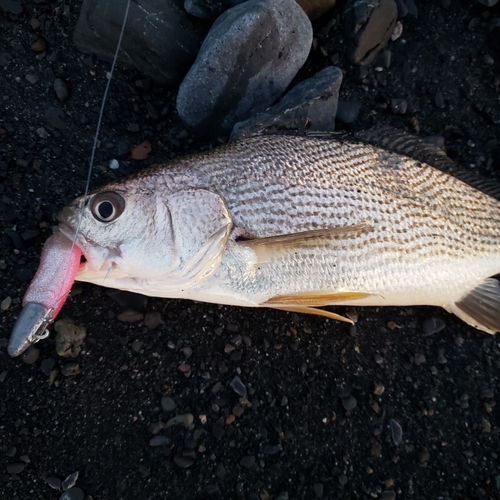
[107, 207]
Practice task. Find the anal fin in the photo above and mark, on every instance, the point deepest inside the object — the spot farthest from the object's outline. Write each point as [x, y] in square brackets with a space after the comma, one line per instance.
[480, 308]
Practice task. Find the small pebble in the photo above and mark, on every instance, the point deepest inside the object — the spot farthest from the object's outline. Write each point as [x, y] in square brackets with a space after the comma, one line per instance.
[349, 403]
[185, 419]
[183, 462]
[318, 490]
[153, 319]
[396, 431]
[130, 316]
[168, 404]
[73, 494]
[54, 482]
[419, 358]
[32, 79]
[433, 325]
[47, 365]
[42, 133]
[137, 345]
[343, 479]
[439, 100]
[3, 375]
[61, 89]
[238, 386]
[378, 389]
[159, 441]
[6, 303]
[15, 468]
[388, 495]
[70, 369]
[70, 481]
[39, 45]
[425, 455]
[376, 449]
[31, 355]
[11, 452]
[248, 462]
[114, 164]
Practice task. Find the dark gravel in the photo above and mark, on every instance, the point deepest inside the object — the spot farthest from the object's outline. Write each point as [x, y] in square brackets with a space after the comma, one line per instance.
[291, 436]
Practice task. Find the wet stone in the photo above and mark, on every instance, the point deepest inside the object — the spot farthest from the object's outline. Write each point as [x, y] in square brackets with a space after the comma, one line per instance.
[433, 325]
[73, 494]
[137, 345]
[6, 303]
[318, 490]
[56, 118]
[419, 358]
[396, 431]
[61, 89]
[11, 452]
[159, 441]
[54, 482]
[168, 404]
[16, 468]
[185, 419]
[343, 479]
[378, 389]
[388, 495]
[70, 369]
[248, 462]
[31, 355]
[376, 449]
[183, 462]
[238, 386]
[3, 376]
[70, 481]
[349, 403]
[271, 449]
[153, 320]
[130, 316]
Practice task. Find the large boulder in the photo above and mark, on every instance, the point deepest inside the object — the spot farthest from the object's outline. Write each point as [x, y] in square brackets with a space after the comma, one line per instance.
[160, 39]
[247, 61]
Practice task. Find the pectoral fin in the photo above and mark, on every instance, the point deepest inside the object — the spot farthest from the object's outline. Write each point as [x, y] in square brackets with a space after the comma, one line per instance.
[267, 247]
[480, 308]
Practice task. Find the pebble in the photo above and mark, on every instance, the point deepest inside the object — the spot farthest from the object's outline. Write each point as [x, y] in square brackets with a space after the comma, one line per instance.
[349, 403]
[6, 303]
[42, 133]
[343, 479]
[185, 419]
[39, 46]
[388, 495]
[70, 481]
[56, 118]
[70, 369]
[439, 100]
[130, 316]
[318, 490]
[54, 482]
[11, 452]
[238, 386]
[11, 6]
[69, 338]
[216, 93]
[31, 355]
[3, 375]
[399, 106]
[168, 404]
[369, 25]
[376, 449]
[61, 89]
[271, 449]
[218, 431]
[424, 455]
[73, 494]
[153, 319]
[396, 431]
[159, 441]
[15, 468]
[419, 358]
[248, 462]
[183, 462]
[433, 325]
[378, 389]
[114, 164]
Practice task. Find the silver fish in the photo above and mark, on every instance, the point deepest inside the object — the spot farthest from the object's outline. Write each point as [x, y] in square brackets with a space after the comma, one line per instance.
[295, 223]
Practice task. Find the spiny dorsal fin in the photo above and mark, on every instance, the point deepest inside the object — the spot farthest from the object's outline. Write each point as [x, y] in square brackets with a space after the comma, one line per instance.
[480, 307]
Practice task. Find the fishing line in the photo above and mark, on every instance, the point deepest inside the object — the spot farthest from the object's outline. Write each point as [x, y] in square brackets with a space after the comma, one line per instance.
[96, 136]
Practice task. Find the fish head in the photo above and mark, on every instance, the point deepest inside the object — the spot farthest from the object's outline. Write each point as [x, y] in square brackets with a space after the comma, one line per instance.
[129, 232]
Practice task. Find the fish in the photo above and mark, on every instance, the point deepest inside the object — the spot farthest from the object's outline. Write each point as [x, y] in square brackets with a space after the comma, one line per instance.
[292, 223]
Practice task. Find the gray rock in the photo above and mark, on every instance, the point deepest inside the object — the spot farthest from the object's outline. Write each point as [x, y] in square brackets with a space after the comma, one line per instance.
[238, 386]
[61, 89]
[369, 24]
[160, 39]
[248, 59]
[168, 404]
[70, 481]
[209, 9]
[311, 103]
[396, 431]
[72, 494]
[11, 7]
[56, 117]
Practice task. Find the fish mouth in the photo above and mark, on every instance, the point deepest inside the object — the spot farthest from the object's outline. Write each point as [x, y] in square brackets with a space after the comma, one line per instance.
[95, 257]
